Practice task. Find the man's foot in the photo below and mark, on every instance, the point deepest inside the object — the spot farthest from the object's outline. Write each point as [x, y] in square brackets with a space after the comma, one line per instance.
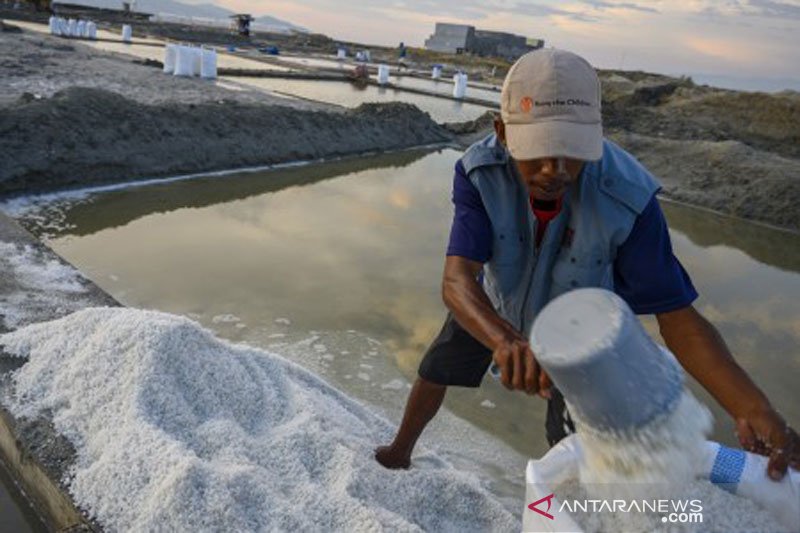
[389, 458]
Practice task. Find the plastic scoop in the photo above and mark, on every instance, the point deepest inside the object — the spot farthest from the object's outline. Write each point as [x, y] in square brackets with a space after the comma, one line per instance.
[611, 373]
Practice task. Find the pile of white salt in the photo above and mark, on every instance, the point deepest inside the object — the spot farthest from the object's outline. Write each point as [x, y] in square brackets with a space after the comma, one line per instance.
[176, 430]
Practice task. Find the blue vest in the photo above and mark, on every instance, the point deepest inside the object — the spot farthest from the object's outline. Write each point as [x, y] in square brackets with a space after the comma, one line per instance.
[579, 245]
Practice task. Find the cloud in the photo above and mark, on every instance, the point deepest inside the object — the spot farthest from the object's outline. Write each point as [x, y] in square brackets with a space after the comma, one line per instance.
[769, 8]
[753, 8]
[542, 10]
[601, 5]
[732, 51]
[467, 9]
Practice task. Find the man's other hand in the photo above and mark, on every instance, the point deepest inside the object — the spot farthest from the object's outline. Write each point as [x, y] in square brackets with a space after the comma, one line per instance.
[765, 432]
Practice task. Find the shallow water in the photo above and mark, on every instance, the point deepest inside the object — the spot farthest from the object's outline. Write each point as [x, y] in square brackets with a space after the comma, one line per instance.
[349, 254]
[315, 62]
[349, 95]
[444, 87]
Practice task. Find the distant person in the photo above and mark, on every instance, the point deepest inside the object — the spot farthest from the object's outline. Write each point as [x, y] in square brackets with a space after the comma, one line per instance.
[402, 52]
[546, 205]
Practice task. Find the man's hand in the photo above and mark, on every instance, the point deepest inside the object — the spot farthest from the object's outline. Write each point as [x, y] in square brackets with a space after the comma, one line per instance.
[702, 352]
[465, 298]
[519, 369]
[765, 432]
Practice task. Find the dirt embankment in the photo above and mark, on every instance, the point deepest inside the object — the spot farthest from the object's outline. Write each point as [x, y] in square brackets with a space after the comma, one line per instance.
[74, 116]
[86, 136]
[734, 152]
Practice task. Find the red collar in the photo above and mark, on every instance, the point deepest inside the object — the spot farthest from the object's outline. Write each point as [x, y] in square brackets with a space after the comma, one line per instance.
[546, 215]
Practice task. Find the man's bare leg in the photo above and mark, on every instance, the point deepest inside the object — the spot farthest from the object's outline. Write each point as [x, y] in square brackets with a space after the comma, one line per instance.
[423, 403]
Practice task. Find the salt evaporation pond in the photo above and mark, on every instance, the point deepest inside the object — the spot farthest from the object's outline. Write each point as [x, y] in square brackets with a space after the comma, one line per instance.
[481, 91]
[339, 93]
[337, 266]
[444, 87]
[368, 235]
[315, 62]
[350, 95]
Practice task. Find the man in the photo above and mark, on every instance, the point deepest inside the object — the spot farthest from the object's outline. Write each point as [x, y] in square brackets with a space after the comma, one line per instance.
[546, 205]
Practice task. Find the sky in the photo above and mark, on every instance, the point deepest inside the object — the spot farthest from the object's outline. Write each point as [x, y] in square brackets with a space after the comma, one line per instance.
[751, 43]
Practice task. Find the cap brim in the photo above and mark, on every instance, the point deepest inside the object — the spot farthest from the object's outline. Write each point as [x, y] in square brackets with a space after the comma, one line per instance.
[555, 139]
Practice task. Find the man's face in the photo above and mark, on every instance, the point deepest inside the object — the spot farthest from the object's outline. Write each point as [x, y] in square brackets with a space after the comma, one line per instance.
[547, 178]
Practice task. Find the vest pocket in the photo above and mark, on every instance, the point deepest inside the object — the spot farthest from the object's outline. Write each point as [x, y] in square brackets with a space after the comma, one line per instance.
[508, 248]
[568, 276]
[508, 261]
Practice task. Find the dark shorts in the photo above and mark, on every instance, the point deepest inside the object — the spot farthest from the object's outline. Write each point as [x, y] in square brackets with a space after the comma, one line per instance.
[456, 358]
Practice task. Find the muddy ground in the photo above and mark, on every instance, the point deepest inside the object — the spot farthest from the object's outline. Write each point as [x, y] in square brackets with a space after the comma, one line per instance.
[72, 115]
[734, 152]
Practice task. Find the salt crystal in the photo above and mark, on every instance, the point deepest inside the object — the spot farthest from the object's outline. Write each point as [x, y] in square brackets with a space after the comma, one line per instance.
[42, 286]
[664, 451]
[225, 319]
[395, 384]
[657, 461]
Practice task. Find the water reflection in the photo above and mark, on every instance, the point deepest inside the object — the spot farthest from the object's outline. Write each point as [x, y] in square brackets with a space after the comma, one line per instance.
[86, 215]
[780, 249]
[358, 246]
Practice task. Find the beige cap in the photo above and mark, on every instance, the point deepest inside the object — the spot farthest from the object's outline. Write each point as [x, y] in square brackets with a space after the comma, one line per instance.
[550, 105]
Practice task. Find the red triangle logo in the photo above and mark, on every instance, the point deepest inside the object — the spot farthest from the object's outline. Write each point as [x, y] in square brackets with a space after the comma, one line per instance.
[545, 513]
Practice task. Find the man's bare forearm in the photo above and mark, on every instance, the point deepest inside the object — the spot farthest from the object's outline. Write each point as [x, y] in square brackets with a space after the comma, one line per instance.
[466, 299]
[702, 352]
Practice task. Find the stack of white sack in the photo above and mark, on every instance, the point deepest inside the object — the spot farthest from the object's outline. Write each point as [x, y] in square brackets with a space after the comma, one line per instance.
[79, 29]
[189, 61]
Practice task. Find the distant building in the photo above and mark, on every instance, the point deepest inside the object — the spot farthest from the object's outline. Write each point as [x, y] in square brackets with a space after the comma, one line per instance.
[451, 38]
[460, 38]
